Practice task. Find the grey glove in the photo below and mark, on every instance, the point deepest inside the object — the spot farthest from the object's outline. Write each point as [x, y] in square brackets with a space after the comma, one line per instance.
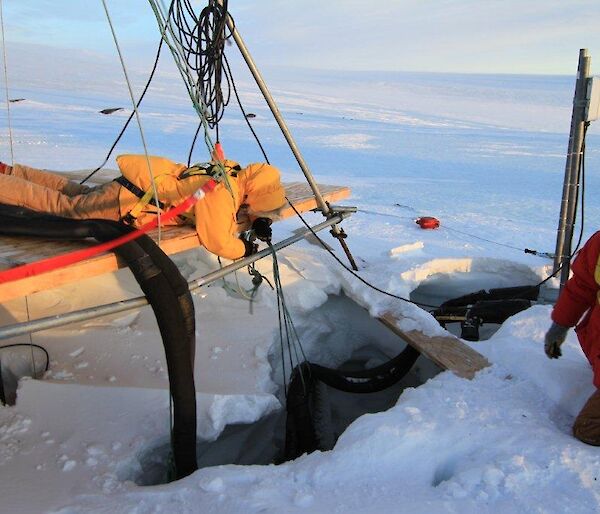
[555, 336]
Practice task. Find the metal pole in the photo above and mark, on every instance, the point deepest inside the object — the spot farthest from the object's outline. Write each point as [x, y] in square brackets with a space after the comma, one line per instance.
[60, 320]
[568, 206]
[323, 206]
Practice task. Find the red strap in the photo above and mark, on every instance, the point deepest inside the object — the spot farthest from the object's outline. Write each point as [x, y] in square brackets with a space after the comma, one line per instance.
[60, 261]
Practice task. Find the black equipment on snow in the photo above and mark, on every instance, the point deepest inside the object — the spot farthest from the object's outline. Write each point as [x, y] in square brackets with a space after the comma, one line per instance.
[494, 306]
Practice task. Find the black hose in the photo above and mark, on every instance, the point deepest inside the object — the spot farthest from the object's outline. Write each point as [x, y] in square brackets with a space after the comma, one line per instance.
[501, 293]
[370, 380]
[304, 430]
[168, 294]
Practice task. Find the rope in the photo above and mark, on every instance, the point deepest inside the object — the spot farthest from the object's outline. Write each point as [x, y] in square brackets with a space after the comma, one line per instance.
[286, 324]
[10, 135]
[525, 250]
[178, 54]
[191, 79]
[137, 114]
[116, 141]
[239, 290]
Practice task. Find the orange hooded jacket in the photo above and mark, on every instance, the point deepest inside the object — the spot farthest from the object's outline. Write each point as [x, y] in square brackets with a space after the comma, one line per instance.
[579, 302]
[258, 186]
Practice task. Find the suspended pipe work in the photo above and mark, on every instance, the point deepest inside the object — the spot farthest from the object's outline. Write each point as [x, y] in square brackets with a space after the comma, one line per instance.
[60, 320]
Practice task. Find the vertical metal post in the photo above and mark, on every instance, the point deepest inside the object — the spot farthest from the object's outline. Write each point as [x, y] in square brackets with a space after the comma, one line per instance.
[323, 206]
[566, 221]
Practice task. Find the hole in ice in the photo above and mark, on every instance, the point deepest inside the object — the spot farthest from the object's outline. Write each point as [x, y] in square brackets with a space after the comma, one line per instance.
[242, 444]
[15, 363]
[440, 287]
[341, 335]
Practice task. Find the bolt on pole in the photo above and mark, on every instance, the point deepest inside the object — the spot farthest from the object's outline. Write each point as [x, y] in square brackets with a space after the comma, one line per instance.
[570, 193]
[323, 206]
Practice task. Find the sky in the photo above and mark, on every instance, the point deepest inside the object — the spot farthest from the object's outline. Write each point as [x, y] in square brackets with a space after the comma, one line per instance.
[465, 36]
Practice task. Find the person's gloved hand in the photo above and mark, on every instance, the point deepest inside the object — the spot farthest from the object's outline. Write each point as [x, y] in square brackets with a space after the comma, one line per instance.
[251, 248]
[555, 336]
[262, 228]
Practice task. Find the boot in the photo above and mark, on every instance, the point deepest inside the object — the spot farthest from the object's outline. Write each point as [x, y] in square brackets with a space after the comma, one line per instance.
[587, 424]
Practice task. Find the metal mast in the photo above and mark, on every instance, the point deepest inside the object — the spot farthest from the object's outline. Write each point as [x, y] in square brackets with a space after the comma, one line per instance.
[566, 221]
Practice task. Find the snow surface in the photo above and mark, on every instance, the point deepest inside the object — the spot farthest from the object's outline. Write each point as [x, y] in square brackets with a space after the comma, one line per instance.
[485, 154]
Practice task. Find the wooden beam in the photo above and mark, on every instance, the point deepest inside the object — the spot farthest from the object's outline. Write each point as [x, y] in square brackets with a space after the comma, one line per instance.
[448, 352]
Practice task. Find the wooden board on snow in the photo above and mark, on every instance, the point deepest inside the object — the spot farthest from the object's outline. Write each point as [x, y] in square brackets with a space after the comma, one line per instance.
[448, 352]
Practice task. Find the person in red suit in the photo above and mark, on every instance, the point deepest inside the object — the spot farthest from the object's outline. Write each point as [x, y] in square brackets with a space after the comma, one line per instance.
[578, 304]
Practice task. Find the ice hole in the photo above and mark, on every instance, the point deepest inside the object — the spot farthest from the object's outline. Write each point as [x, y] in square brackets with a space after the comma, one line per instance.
[241, 444]
[440, 287]
[339, 334]
[342, 333]
[16, 362]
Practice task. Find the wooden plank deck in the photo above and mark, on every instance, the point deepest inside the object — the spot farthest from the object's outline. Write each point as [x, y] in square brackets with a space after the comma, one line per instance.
[20, 250]
[448, 352]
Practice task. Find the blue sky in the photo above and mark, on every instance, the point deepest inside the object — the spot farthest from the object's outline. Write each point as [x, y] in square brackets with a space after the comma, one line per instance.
[489, 36]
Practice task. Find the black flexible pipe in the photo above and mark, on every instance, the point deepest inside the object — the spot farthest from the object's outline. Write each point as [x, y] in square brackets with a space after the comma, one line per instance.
[501, 293]
[302, 434]
[370, 380]
[167, 293]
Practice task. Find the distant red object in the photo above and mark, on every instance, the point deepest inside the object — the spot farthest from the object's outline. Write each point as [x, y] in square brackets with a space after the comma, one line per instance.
[428, 222]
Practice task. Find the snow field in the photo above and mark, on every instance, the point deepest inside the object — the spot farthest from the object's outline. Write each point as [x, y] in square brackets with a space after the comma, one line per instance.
[483, 154]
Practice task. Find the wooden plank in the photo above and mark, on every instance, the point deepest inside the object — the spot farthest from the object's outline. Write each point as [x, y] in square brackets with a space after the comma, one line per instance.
[21, 250]
[303, 200]
[448, 352]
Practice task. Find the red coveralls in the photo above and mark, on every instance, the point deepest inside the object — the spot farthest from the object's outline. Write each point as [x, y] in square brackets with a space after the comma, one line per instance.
[581, 294]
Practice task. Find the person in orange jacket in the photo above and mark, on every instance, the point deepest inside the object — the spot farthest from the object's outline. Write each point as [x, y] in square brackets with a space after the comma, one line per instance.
[578, 304]
[255, 190]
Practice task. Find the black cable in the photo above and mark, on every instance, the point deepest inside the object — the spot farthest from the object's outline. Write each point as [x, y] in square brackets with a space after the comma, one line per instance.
[536, 286]
[581, 174]
[351, 271]
[323, 244]
[29, 345]
[237, 96]
[137, 105]
[202, 38]
[189, 159]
